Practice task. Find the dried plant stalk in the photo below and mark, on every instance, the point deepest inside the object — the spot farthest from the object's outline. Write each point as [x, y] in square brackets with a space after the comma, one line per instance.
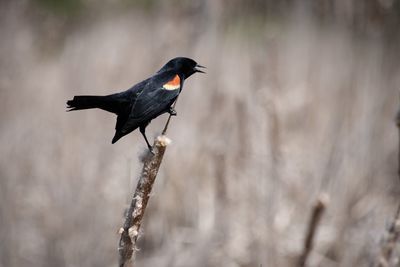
[316, 215]
[130, 231]
[394, 230]
[391, 241]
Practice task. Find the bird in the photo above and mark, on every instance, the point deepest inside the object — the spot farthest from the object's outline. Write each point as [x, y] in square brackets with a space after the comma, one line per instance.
[144, 101]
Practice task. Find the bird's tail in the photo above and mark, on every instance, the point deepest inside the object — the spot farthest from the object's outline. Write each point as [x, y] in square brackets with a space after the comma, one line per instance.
[88, 101]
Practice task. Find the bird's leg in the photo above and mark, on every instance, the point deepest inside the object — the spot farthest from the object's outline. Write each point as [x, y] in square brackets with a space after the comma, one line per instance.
[172, 111]
[143, 131]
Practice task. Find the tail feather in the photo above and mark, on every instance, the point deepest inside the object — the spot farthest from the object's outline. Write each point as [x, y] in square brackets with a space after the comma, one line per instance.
[84, 102]
[107, 103]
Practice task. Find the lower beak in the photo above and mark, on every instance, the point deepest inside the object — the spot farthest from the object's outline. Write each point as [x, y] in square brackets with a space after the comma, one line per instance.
[199, 66]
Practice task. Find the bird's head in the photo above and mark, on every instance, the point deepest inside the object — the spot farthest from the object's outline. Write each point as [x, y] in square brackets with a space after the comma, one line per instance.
[183, 65]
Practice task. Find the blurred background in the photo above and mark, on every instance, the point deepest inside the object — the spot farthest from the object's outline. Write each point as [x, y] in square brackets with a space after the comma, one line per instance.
[299, 98]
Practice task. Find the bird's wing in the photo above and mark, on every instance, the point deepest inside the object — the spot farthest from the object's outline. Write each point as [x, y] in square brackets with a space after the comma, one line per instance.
[118, 103]
[129, 96]
[155, 98]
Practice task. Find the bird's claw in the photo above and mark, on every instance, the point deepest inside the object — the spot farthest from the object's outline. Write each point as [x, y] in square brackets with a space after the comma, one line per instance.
[151, 150]
[172, 111]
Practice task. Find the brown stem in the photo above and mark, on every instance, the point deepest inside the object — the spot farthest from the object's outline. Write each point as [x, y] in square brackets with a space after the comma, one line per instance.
[130, 231]
[394, 230]
[391, 241]
[398, 152]
[315, 218]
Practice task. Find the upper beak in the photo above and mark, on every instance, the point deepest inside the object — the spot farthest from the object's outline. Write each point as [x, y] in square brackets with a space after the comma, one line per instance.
[199, 66]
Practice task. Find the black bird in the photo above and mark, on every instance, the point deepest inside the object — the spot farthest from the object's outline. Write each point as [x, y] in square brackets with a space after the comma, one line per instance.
[137, 106]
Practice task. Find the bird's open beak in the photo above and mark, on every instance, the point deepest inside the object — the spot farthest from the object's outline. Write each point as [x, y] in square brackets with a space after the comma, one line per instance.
[199, 66]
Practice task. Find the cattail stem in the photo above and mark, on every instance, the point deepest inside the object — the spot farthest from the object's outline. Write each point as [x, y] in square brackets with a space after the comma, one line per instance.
[130, 231]
[394, 230]
[315, 218]
[390, 242]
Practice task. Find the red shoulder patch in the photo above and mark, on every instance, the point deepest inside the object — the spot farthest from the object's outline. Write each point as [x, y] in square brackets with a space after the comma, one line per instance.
[173, 84]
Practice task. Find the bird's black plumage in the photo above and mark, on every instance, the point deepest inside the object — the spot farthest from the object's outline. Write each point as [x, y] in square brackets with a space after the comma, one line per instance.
[137, 106]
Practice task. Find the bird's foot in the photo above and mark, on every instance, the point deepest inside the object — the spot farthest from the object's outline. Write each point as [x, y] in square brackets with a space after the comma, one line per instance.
[172, 111]
[151, 150]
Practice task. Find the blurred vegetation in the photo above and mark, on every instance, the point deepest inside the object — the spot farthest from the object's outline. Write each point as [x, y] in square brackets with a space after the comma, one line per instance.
[299, 98]
[62, 7]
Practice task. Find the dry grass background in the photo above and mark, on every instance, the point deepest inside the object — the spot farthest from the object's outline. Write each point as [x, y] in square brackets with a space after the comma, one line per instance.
[299, 99]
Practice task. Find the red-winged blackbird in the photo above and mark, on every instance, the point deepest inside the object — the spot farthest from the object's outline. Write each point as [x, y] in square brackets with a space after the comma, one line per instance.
[137, 106]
